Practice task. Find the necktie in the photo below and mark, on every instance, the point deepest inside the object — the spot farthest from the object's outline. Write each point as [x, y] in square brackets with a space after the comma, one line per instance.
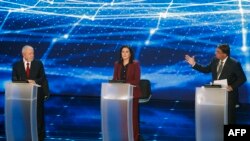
[28, 70]
[219, 69]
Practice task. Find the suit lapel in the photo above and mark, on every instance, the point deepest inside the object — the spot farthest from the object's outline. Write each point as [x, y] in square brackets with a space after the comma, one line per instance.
[31, 68]
[128, 71]
[22, 68]
[119, 67]
[215, 69]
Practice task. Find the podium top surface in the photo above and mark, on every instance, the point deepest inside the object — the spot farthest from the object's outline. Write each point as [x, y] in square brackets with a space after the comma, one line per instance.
[18, 83]
[211, 96]
[21, 91]
[117, 91]
[119, 84]
[202, 87]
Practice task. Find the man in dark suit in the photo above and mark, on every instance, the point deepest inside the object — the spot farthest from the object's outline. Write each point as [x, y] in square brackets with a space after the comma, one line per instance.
[32, 71]
[224, 67]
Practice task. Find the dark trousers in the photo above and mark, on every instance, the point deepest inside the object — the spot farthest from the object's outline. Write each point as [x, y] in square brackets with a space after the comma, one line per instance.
[136, 119]
[232, 99]
[40, 117]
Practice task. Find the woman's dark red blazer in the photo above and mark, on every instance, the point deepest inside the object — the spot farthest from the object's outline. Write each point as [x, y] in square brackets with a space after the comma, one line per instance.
[133, 76]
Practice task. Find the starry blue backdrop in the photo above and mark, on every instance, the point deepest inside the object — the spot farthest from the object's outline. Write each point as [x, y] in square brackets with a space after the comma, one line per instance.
[78, 40]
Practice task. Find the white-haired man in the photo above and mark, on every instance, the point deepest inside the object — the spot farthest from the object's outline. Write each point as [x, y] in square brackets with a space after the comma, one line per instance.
[31, 70]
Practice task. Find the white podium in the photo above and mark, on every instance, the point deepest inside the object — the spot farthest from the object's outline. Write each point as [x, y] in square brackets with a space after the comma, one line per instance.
[116, 112]
[211, 113]
[20, 112]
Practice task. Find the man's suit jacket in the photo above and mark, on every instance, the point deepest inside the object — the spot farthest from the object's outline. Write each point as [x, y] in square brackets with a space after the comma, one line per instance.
[36, 73]
[133, 75]
[232, 71]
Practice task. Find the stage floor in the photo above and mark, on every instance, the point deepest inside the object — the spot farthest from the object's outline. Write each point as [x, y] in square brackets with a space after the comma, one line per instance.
[78, 119]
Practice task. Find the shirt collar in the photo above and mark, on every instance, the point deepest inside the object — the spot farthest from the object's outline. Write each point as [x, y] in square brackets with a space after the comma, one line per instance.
[25, 62]
[224, 60]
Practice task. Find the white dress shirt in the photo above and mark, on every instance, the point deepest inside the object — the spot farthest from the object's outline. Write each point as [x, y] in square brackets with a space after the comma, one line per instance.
[25, 64]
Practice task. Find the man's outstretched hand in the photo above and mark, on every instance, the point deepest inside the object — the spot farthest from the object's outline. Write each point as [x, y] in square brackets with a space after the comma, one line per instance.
[190, 60]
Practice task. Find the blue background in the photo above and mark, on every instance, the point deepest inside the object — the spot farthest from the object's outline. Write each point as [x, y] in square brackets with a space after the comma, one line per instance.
[78, 41]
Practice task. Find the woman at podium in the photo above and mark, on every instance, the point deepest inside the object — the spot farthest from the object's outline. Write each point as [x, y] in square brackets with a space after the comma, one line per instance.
[128, 70]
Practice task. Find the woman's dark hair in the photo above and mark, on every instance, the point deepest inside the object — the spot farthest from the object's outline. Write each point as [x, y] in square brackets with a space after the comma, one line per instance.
[224, 48]
[131, 59]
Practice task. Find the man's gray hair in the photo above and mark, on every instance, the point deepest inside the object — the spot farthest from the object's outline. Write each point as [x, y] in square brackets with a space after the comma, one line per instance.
[26, 47]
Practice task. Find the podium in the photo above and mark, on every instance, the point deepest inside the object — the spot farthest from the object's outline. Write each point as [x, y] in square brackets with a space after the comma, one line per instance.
[211, 113]
[116, 111]
[21, 112]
